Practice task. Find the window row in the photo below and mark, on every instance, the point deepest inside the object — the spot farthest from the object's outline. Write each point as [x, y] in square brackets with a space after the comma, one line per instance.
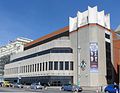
[52, 50]
[45, 66]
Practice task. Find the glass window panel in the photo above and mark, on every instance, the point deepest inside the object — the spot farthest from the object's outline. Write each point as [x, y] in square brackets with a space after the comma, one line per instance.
[51, 65]
[30, 68]
[56, 65]
[33, 68]
[43, 66]
[61, 65]
[66, 65]
[40, 66]
[46, 66]
[71, 65]
[37, 66]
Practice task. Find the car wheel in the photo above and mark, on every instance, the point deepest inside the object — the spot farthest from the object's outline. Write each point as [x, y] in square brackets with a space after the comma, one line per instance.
[107, 92]
[76, 90]
[35, 88]
[73, 90]
[62, 89]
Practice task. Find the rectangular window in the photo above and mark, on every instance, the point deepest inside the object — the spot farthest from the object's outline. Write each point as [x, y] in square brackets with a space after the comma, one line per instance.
[46, 66]
[37, 66]
[30, 68]
[26, 68]
[33, 68]
[66, 65]
[50, 65]
[61, 50]
[107, 36]
[71, 65]
[56, 65]
[61, 65]
[22, 69]
[109, 66]
[43, 66]
[40, 66]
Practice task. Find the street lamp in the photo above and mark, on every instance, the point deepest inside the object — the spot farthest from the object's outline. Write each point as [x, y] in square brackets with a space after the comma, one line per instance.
[19, 76]
[78, 66]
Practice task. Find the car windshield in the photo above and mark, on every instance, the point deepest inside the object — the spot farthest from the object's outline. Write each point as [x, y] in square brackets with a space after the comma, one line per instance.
[18, 83]
[67, 84]
[35, 84]
[113, 86]
[116, 86]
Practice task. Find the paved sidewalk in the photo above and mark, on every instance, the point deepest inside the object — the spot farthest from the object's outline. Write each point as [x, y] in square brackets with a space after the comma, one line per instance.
[99, 89]
[85, 88]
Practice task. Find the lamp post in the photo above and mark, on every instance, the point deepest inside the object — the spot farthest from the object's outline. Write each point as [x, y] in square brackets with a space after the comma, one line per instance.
[19, 76]
[78, 67]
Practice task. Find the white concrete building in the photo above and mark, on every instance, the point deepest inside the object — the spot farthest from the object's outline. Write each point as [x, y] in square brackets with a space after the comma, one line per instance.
[11, 48]
[14, 47]
[81, 54]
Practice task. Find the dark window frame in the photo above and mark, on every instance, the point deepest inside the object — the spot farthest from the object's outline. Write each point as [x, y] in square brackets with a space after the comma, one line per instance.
[71, 65]
[55, 65]
[46, 66]
[43, 65]
[61, 65]
[37, 66]
[66, 65]
[50, 65]
[40, 66]
[107, 36]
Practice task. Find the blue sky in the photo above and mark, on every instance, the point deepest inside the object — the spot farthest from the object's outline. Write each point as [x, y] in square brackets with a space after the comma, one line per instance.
[35, 18]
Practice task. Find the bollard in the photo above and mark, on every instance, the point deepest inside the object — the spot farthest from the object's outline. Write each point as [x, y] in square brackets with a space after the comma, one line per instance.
[60, 89]
[45, 88]
[101, 89]
[97, 91]
[76, 92]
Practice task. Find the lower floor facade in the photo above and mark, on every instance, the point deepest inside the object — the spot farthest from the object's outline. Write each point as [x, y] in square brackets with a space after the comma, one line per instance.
[51, 80]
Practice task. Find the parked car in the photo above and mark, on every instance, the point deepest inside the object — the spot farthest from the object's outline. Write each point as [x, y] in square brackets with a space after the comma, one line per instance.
[70, 87]
[6, 84]
[36, 86]
[17, 85]
[112, 88]
[1, 84]
[45, 84]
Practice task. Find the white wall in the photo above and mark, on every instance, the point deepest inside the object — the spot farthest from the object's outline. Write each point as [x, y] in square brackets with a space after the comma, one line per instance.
[92, 15]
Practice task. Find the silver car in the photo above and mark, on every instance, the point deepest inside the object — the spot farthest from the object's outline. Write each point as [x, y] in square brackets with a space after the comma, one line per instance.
[36, 86]
[17, 85]
[69, 87]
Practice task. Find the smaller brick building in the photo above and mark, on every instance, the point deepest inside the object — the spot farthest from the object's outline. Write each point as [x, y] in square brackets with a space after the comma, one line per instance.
[116, 46]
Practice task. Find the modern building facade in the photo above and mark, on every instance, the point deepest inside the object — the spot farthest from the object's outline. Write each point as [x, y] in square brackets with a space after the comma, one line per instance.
[81, 53]
[11, 48]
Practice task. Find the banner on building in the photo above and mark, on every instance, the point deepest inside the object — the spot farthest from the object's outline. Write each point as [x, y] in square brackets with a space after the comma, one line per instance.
[93, 57]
